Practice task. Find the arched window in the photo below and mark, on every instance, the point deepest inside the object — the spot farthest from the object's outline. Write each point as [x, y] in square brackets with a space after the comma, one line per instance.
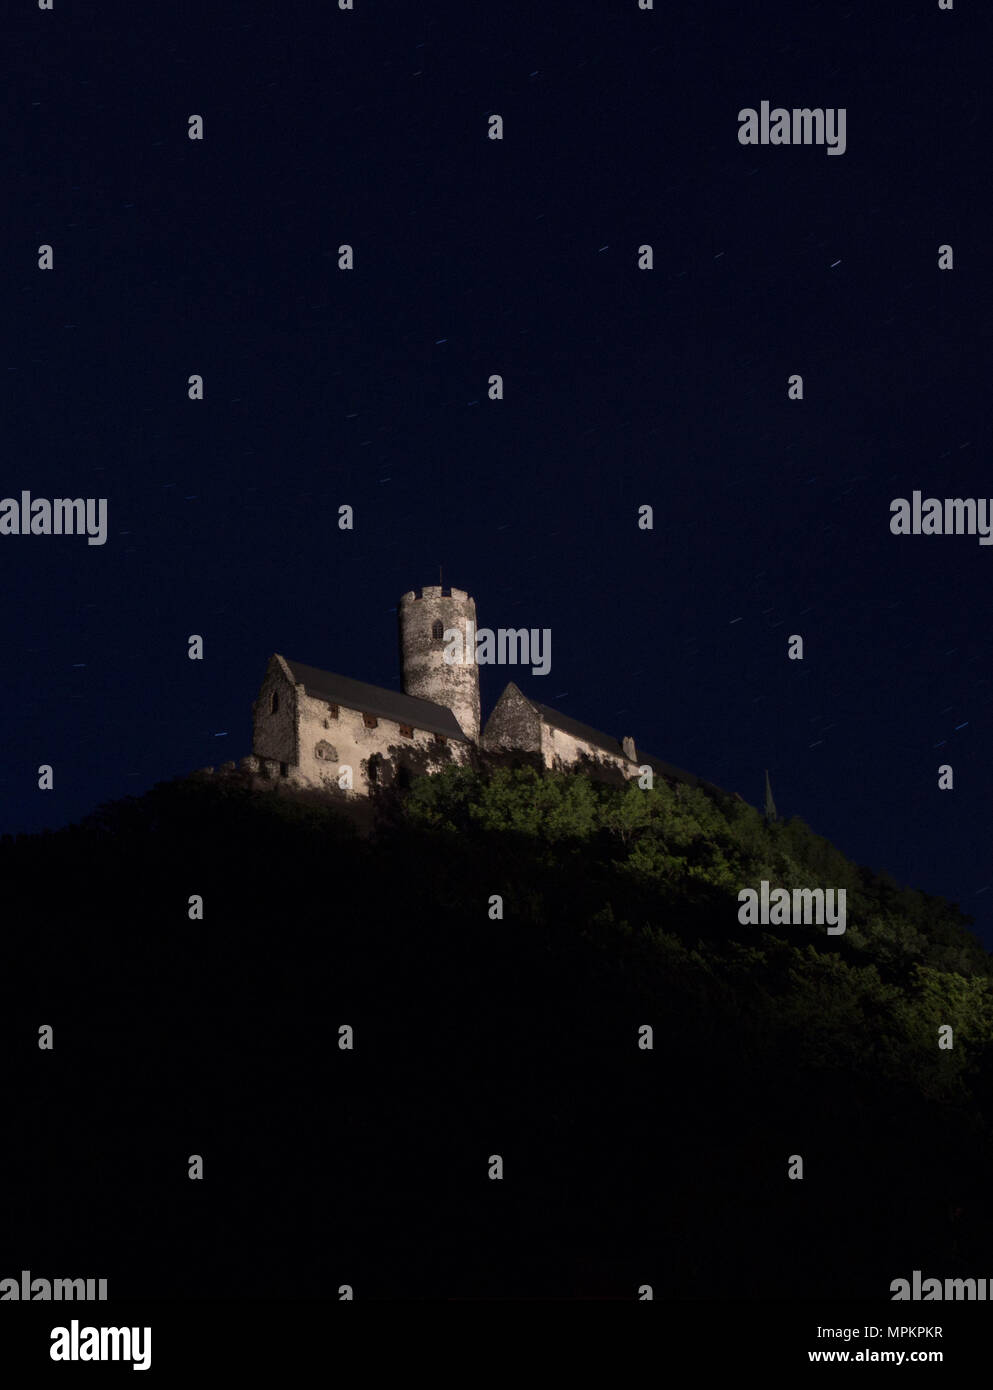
[437, 629]
[274, 702]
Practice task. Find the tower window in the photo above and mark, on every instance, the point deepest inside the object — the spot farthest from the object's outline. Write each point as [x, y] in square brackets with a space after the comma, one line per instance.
[370, 721]
[274, 702]
[332, 711]
[437, 629]
[407, 730]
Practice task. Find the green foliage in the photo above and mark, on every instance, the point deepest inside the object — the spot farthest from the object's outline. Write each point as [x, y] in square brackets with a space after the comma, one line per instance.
[620, 909]
[660, 870]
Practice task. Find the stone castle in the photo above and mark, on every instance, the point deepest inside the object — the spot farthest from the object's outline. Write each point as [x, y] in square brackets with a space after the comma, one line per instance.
[314, 729]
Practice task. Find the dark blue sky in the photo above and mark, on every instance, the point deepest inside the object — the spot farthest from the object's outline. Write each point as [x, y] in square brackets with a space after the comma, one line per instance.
[622, 387]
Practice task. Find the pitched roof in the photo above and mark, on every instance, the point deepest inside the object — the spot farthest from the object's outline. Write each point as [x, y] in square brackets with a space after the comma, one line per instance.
[555, 720]
[373, 699]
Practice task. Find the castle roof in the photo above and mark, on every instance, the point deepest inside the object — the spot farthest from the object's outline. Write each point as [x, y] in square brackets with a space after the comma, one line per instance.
[556, 720]
[373, 699]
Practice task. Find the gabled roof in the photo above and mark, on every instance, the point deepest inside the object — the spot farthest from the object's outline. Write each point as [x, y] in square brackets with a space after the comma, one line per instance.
[556, 720]
[373, 699]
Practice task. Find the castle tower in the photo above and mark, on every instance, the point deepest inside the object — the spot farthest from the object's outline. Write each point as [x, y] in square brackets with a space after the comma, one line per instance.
[425, 615]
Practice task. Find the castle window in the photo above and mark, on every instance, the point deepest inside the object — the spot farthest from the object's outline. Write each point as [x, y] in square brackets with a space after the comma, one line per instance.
[332, 711]
[274, 702]
[284, 769]
[437, 629]
[370, 721]
[407, 730]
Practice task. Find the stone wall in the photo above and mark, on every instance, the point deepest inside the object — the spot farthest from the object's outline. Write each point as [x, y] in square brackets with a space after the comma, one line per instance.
[426, 674]
[327, 741]
[561, 751]
[274, 732]
[514, 724]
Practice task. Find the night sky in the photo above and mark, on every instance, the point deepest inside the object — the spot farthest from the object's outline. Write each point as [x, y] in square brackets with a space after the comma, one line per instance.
[622, 387]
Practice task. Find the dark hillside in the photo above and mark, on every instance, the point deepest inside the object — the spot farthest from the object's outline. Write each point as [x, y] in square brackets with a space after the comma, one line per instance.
[475, 1037]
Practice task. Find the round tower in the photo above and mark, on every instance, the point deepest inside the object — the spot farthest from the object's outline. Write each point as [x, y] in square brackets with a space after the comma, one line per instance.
[425, 616]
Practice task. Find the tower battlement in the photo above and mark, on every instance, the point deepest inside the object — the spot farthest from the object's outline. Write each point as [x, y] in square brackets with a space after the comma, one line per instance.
[433, 591]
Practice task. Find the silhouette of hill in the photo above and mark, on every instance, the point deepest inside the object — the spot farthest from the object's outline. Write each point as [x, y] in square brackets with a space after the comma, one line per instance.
[477, 1036]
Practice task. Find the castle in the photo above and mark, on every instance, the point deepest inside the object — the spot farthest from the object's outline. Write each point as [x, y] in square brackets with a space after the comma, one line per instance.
[314, 729]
